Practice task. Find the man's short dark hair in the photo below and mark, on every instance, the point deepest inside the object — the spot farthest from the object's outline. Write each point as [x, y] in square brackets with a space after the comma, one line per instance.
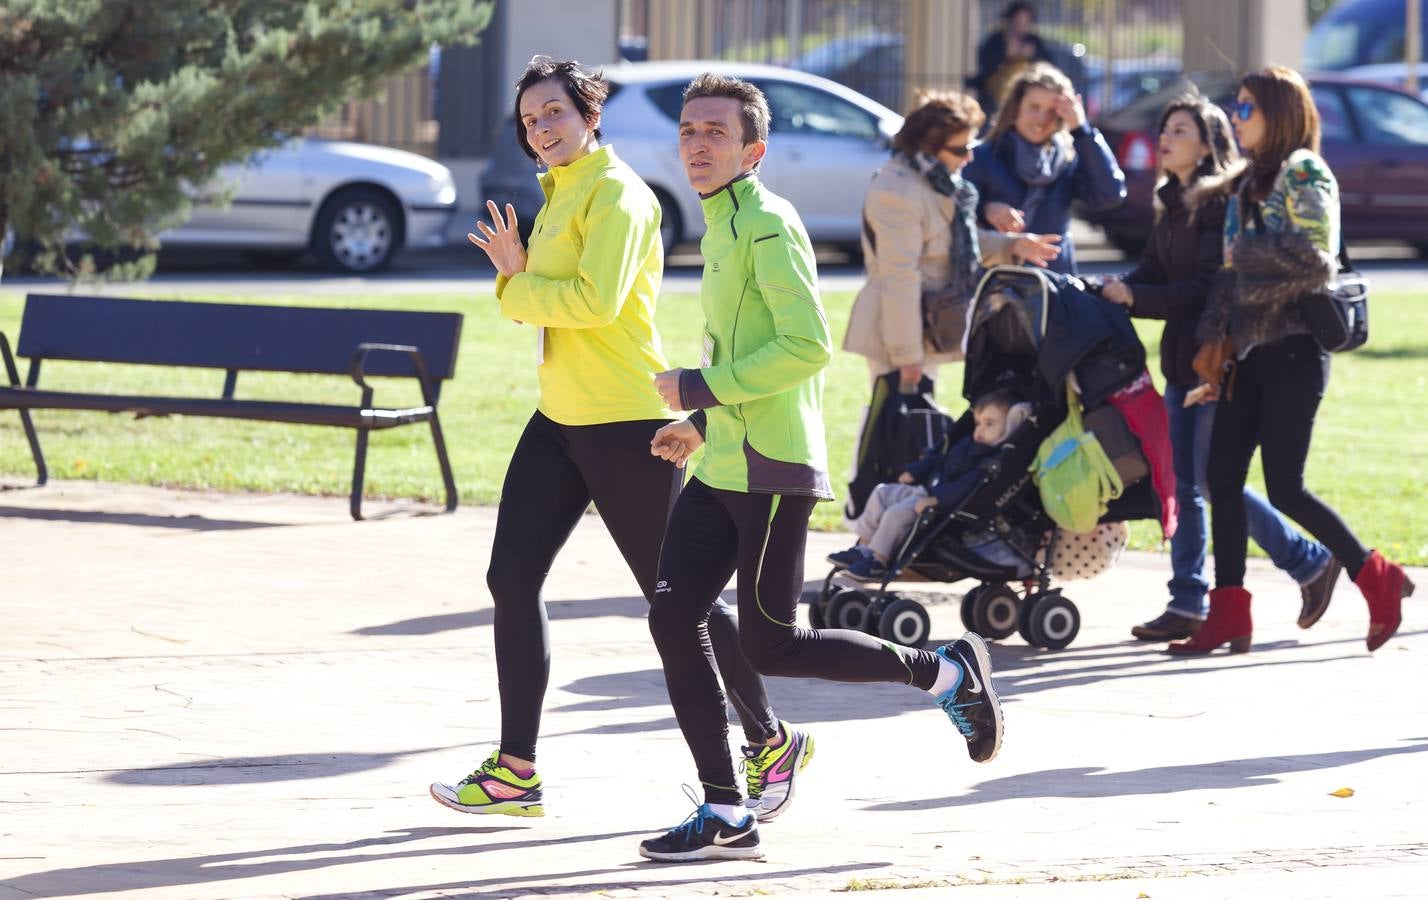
[1015, 9]
[753, 106]
[586, 91]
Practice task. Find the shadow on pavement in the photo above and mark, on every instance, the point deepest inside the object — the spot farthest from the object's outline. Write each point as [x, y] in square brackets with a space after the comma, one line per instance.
[1090, 781]
[138, 875]
[501, 887]
[258, 769]
[556, 610]
[88, 517]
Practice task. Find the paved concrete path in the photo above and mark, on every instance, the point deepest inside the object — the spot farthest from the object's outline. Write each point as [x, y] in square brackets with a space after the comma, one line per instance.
[215, 695]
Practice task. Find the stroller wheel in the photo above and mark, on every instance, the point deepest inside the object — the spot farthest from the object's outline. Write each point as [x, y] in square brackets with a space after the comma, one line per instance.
[1024, 622]
[904, 622]
[818, 608]
[848, 609]
[1055, 621]
[994, 611]
[969, 607]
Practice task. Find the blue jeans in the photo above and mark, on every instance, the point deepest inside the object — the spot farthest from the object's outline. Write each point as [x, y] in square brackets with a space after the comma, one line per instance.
[1299, 557]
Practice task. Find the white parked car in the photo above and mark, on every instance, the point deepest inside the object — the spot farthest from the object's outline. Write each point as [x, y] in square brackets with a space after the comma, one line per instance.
[353, 205]
[825, 142]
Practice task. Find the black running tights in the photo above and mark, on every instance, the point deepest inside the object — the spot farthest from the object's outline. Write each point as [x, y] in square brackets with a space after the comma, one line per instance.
[555, 472]
[1272, 402]
[712, 534]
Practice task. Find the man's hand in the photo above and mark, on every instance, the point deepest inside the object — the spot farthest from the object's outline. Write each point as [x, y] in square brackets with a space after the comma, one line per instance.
[924, 504]
[1037, 249]
[1004, 217]
[1116, 291]
[906, 478]
[675, 441]
[666, 384]
[503, 242]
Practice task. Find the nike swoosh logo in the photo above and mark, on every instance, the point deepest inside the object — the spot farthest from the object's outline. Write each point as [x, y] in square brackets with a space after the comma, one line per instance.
[971, 675]
[721, 840]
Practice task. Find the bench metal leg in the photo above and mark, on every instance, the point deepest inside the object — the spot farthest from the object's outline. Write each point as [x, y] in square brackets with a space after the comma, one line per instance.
[358, 471]
[359, 466]
[42, 471]
[447, 478]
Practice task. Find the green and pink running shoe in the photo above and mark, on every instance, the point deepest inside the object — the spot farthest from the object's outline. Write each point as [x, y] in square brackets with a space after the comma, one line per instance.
[771, 772]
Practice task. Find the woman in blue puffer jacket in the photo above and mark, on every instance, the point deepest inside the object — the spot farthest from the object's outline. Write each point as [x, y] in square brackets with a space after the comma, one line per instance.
[1041, 155]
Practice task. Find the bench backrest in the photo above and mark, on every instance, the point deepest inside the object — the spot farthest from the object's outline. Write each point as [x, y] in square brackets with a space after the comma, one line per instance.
[248, 337]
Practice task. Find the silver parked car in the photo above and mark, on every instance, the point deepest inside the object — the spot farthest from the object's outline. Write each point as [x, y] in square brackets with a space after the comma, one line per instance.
[353, 205]
[825, 142]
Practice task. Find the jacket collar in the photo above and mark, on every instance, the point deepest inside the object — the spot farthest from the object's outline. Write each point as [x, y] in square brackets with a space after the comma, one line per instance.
[726, 201]
[583, 169]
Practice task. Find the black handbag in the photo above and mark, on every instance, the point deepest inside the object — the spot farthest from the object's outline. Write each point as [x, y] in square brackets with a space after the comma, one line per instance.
[1337, 316]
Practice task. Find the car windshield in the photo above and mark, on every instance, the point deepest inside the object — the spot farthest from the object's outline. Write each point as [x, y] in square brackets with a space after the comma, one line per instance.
[1143, 112]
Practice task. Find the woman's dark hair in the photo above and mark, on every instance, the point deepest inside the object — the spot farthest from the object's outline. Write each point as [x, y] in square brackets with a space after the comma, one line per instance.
[937, 116]
[1291, 122]
[1215, 133]
[587, 92]
[1037, 75]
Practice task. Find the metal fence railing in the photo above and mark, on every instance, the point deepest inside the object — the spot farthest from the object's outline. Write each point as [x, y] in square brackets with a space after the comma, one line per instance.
[1114, 49]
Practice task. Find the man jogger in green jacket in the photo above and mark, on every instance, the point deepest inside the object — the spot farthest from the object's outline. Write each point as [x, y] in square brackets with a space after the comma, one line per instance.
[757, 411]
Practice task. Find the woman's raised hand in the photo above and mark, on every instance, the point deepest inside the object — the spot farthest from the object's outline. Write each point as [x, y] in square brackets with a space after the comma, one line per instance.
[1005, 217]
[1071, 110]
[503, 242]
[1037, 249]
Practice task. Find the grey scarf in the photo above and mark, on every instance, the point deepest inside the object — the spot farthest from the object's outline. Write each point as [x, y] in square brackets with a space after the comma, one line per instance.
[1038, 166]
[966, 250]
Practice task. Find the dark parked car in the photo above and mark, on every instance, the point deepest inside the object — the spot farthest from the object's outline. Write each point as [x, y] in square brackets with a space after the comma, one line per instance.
[1360, 33]
[1375, 139]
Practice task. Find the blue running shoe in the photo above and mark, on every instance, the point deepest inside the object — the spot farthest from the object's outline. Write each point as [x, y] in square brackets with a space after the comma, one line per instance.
[972, 703]
[705, 836]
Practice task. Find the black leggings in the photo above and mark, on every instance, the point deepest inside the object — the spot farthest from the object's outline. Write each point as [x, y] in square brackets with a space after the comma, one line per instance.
[712, 534]
[1274, 396]
[555, 472]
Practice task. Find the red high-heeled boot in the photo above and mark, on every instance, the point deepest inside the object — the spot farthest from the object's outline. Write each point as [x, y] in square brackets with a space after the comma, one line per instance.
[1384, 585]
[1228, 623]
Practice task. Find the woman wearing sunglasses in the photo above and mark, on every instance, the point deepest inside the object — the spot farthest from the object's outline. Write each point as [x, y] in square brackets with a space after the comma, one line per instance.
[1281, 240]
[1042, 155]
[1198, 165]
[920, 235]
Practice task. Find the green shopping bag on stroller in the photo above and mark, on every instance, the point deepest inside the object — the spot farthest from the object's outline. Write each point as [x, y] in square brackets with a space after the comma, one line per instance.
[1076, 478]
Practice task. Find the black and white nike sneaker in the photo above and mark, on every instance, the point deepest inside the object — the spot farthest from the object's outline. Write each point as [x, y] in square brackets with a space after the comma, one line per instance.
[972, 703]
[704, 835]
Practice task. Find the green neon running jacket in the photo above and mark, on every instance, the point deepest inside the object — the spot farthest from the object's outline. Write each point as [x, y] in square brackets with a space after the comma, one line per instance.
[592, 275]
[759, 391]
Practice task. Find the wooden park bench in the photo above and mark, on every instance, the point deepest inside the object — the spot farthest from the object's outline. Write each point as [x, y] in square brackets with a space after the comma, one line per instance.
[237, 338]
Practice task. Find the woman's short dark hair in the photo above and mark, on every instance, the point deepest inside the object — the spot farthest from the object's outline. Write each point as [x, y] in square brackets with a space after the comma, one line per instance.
[937, 116]
[587, 92]
[753, 105]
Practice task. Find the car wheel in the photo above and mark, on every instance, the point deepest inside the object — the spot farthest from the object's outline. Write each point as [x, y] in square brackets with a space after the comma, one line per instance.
[671, 223]
[358, 230]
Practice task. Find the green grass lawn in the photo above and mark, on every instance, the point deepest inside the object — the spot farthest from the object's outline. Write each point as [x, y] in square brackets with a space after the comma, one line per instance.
[1370, 457]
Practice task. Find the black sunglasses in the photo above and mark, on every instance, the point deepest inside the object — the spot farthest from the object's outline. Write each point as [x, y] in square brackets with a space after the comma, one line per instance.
[963, 149]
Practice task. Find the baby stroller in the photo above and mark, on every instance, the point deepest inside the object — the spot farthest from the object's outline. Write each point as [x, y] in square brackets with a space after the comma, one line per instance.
[1031, 331]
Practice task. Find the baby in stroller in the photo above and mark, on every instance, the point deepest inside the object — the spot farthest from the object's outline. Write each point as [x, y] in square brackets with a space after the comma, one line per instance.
[944, 476]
